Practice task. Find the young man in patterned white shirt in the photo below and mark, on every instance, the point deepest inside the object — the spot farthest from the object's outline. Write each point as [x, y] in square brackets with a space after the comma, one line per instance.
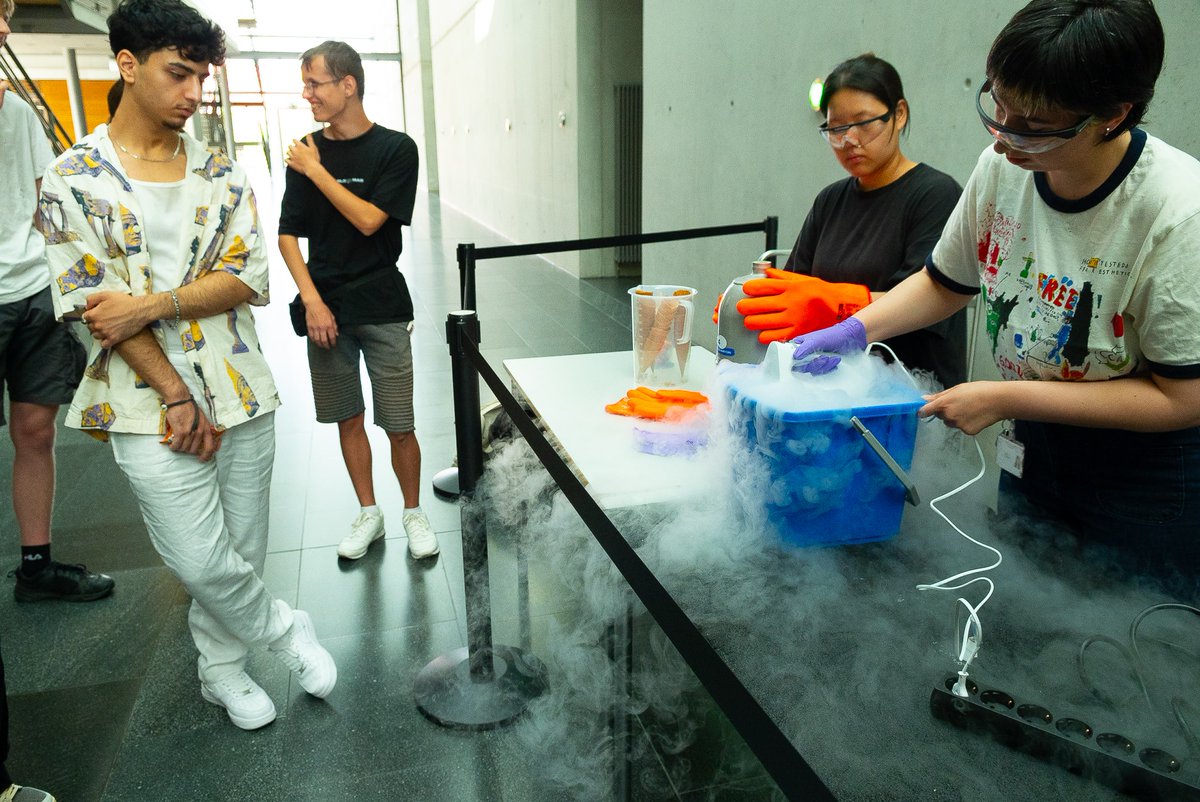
[154, 243]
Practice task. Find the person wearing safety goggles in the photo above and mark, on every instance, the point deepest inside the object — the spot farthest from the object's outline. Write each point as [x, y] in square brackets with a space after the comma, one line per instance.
[865, 233]
[1083, 233]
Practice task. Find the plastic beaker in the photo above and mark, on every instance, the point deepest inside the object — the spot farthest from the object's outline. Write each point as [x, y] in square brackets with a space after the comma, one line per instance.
[662, 333]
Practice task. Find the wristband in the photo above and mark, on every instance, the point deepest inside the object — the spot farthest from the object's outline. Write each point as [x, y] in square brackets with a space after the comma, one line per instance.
[189, 400]
[175, 300]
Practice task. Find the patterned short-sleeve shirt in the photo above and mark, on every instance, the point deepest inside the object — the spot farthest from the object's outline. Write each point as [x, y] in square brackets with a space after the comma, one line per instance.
[95, 243]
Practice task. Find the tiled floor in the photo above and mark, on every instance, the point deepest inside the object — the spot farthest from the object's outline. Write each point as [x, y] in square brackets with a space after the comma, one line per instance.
[104, 698]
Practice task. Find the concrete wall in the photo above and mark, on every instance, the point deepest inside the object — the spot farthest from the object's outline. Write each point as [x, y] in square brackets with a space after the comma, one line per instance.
[506, 92]
[729, 136]
[523, 102]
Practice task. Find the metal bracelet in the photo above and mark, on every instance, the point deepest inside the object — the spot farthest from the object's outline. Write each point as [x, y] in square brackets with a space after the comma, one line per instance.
[175, 300]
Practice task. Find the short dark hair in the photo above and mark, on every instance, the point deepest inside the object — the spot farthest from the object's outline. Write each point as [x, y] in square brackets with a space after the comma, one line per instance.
[341, 60]
[1085, 56]
[146, 26]
[866, 73]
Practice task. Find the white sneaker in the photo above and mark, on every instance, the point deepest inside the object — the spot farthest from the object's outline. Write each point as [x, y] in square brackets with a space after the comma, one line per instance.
[422, 542]
[307, 658]
[248, 705]
[365, 530]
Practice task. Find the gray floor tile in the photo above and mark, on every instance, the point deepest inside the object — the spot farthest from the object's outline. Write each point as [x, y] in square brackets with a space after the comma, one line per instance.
[66, 740]
[384, 590]
[54, 645]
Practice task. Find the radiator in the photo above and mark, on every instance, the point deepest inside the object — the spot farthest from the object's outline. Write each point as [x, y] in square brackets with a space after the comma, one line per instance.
[629, 170]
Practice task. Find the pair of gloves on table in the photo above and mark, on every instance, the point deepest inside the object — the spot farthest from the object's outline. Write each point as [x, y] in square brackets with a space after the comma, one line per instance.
[813, 313]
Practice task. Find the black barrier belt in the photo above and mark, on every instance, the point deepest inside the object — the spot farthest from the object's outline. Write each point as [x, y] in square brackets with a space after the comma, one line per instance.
[777, 754]
[501, 251]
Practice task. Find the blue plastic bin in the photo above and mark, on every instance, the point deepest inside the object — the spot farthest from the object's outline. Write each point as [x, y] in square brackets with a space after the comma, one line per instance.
[814, 478]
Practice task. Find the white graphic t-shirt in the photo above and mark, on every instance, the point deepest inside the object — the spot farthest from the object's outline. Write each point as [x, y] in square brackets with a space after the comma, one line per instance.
[1095, 288]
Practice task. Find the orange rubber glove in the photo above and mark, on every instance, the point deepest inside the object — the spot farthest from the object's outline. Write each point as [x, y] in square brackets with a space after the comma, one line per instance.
[717, 308]
[642, 402]
[785, 305]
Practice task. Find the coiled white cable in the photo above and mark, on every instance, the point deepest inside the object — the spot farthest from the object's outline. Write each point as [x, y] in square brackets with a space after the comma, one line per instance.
[971, 640]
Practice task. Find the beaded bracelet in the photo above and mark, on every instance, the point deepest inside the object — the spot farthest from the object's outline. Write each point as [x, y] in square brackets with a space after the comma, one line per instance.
[175, 300]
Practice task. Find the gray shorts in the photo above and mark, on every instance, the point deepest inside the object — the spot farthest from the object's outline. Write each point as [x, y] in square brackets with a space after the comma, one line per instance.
[41, 362]
[336, 381]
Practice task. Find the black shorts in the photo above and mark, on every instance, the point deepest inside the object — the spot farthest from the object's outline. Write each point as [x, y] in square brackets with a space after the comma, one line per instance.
[41, 361]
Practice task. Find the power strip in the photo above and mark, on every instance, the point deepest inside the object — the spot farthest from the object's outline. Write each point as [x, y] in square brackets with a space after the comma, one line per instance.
[1107, 758]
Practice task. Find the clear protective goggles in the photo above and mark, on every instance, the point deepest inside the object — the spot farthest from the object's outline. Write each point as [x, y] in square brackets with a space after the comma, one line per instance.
[861, 133]
[1021, 139]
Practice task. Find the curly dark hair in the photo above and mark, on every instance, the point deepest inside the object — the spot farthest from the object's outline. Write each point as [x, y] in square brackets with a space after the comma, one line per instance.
[145, 26]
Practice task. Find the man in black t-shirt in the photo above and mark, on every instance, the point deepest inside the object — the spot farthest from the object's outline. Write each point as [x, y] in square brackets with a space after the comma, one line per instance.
[350, 188]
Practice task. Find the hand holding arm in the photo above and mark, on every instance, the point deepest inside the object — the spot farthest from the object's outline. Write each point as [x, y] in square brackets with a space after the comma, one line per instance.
[113, 317]
[304, 158]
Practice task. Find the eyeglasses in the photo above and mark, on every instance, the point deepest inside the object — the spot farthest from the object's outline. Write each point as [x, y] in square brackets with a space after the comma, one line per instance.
[867, 131]
[313, 86]
[1022, 139]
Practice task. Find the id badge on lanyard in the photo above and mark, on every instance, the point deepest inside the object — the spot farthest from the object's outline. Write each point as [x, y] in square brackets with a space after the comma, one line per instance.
[1010, 452]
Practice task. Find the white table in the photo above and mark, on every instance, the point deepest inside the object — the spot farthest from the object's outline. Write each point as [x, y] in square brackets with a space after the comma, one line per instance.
[569, 393]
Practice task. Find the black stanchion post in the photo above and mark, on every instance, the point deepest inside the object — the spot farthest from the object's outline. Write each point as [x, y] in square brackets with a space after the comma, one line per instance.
[479, 686]
[466, 274]
[771, 227]
[446, 482]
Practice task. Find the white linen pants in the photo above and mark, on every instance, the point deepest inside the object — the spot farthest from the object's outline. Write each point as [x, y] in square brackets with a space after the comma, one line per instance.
[208, 522]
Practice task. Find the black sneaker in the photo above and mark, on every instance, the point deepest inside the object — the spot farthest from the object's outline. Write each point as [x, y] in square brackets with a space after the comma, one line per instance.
[61, 581]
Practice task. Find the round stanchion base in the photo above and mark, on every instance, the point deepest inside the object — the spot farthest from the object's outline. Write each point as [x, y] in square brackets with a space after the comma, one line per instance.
[447, 694]
[445, 484]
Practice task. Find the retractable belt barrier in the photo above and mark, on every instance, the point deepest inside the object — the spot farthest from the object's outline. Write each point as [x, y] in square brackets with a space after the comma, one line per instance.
[468, 254]
[779, 757]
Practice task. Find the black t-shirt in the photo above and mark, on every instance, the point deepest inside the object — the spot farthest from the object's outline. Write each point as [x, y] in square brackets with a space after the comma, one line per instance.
[381, 168]
[879, 238]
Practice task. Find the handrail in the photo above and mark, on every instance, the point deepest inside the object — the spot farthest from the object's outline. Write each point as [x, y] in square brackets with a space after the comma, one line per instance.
[27, 89]
[468, 254]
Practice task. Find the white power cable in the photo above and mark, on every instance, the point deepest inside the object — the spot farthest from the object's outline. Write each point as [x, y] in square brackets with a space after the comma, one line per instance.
[972, 634]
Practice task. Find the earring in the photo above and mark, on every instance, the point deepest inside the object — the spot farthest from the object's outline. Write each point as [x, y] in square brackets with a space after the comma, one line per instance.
[1106, 130]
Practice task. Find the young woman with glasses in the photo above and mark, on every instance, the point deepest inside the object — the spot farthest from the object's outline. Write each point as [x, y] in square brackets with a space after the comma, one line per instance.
[868, 232]
[1083, 233]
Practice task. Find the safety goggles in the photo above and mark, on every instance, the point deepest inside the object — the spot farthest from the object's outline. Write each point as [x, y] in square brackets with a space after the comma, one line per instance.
[1021, 139]
[862, 133]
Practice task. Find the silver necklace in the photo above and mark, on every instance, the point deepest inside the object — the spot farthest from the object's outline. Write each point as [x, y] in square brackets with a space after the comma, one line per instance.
[171, 158]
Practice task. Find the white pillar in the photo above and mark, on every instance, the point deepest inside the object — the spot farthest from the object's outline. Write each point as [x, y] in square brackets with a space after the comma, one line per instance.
[425, 47]
[75, 94]
[226, 112]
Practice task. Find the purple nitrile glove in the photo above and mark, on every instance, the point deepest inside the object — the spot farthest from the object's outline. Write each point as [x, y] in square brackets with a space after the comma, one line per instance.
[841, 338]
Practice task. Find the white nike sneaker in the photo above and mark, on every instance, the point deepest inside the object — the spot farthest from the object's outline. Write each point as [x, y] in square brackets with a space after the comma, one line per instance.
[311, 663]
[247, 704]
